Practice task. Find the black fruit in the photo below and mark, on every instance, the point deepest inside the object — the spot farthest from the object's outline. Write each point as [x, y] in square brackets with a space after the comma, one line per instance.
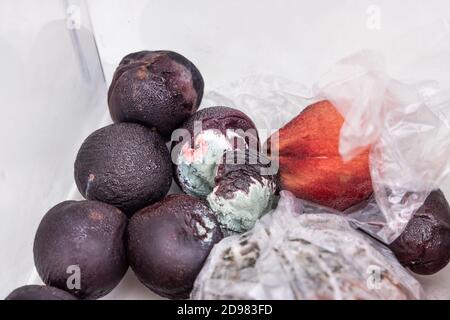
[168, 243]
[424, 246]
[207, 134]
[82, 240]
[36, 292]
[126, 165]
[159, 89]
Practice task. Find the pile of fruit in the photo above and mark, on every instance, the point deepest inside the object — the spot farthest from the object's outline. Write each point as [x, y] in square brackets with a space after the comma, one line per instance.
[82, 249]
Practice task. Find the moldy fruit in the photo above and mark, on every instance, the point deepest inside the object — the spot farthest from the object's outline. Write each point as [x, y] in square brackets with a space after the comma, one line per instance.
[243, 191]
[209, 133]
[159, 89]
[81, 241]
[168, 243]
[126, 165]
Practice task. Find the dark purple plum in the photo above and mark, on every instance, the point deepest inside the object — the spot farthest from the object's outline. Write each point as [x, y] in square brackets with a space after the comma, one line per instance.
[126, 165]
[202, 141]
[245, 187]
[159, 89]
[424, 246]
[221, 119]
[168, 243]
[37, 292]
[79, 247]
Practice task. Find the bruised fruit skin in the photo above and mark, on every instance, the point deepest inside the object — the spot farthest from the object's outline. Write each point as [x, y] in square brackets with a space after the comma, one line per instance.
[243, 191]
[424, 246]
[159, 89]
[87, 236]
[126, 165]
[37, 292]
[168, 243]
[310, 164]
[210, 132]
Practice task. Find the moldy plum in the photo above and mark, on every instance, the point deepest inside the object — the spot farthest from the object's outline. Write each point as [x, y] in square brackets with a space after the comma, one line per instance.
[211, 132]
[37, 292]
[424, 246]
[243, 191]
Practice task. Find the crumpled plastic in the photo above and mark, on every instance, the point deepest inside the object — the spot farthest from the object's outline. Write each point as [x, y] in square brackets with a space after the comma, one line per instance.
[406, 122]
[290, 255]
[404, 115]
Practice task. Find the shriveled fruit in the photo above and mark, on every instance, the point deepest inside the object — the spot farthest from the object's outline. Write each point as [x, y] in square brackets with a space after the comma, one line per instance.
[424, 246]
[159, 89]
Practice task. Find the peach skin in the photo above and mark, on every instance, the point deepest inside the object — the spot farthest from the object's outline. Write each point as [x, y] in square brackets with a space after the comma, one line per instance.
[310, 164]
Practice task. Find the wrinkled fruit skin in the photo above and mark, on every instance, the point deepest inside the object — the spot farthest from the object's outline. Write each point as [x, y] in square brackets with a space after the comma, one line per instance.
[126, 165]
[219, 119]
[36, 292]
[159, 89]
[424, 246]
[238, 176]
[87, 234]
[243, 190]
[168, 243]
[310, 164]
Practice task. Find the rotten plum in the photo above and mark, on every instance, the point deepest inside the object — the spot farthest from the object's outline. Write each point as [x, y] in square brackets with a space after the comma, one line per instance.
[424, 246]
[168, 243]
[159, 89]
[207, 134]
[245, 189]
[80, 247]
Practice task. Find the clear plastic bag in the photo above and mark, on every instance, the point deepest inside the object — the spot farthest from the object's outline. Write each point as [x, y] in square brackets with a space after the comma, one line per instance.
[291, 255]
[398, 102]
[406, 123]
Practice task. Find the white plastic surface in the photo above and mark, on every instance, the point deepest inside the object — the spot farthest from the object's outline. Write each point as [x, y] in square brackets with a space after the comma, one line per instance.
[49, 106]
[51, 96]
